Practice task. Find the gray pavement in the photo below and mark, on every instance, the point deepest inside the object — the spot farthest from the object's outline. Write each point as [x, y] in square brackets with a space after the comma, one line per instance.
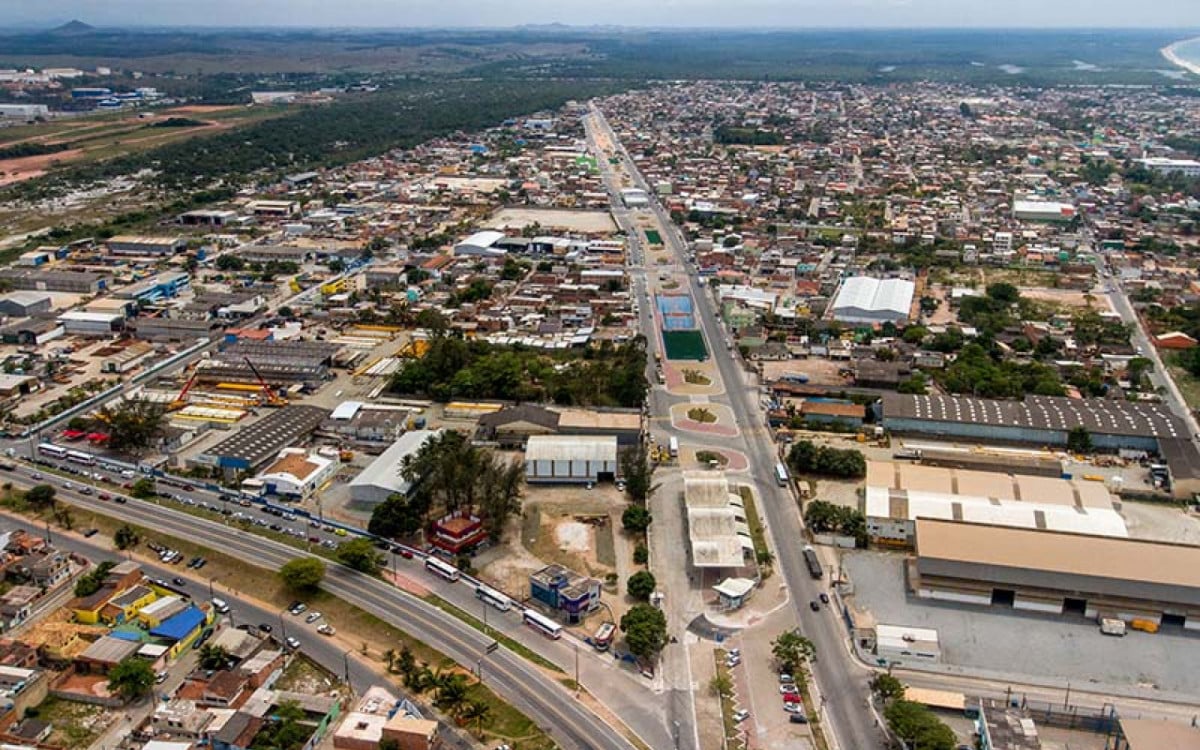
[1026, 643]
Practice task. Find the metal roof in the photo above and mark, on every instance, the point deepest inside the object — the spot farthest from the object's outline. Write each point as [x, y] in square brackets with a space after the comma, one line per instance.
[257, 442]
[571, 448]
[870, 295]
[385, 470]
[1098, 416]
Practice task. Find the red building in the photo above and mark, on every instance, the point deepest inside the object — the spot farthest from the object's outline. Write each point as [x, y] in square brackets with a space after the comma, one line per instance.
[457, 533]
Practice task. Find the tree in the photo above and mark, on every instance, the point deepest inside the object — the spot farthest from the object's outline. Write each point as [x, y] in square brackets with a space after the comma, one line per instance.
[397, 516]
[213, 657]
[230, 262]
[1003, 292]
[641, 585]
[721, 685]
[388, 743]
[133, 426]
[90, 582]
[131, 678]
[451, 693]
[638, 472]
[791, 650]
[143, 488]
[406, 665]
[302, 574]
[914, 385]
[915, 334]
[40, 496]
[126, 537]
[475, 711]
[360, 555]
[887, 687]
[1079, 440]
[918, 727]
[641, 555]
[807, 458]
[645, 629]
[636, 519]
[285, 729]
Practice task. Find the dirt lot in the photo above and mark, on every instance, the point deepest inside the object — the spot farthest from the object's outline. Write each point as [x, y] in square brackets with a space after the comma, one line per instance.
[819, 371]
[1068, 298]
[590, 222]
[26, 168]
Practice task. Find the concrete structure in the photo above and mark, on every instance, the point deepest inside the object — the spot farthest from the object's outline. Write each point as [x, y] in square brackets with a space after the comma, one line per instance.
[1001, 726]
[570, 459]
[1185, 167]
[156, 288]
[47, 280]
[717, 530]
[383, 477]
[901, 643]
[732, 593]
[297, 474]
[512, 426]
[80, 323]
[24, 111]
[863, 299]
[1052, 572]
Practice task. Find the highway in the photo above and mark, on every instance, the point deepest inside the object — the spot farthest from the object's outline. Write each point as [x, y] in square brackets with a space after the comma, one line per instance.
[541, 697]
[842, 680]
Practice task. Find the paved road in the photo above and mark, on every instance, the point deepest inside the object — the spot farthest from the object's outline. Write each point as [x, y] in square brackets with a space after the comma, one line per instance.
[540, 697]
[841, 679]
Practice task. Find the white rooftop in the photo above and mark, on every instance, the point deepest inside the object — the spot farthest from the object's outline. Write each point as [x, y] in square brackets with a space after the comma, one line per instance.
[571, 448]
[385, 470]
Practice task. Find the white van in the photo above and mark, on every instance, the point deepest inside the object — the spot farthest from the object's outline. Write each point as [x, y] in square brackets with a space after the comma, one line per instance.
[220, 606]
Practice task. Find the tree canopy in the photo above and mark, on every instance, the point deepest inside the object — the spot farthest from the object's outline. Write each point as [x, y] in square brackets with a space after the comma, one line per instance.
[805, 457]
[641, 585]
[360, 555]
[791, 650]
[919, 727]
[131, 678]
[645, 629]
[302, 573]
[133, 426]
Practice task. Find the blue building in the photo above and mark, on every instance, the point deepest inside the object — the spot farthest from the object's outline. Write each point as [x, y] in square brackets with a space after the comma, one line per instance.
[156, 288]
[565, 591]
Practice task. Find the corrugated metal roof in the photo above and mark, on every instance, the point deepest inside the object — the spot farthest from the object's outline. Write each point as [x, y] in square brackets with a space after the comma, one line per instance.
[571, 448]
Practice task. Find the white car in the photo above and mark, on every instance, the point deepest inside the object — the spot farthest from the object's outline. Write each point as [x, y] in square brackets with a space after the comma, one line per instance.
[740, 715]
[312, 617]
[787, 687]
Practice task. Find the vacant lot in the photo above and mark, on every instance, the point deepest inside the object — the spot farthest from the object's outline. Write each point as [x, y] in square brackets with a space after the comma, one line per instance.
[589, 222]
[819, 371]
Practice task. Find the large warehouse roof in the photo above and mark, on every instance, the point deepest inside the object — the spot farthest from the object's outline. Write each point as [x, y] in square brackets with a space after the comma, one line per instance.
[1126, 568]
[995, 485]
[260, 441]
[386, 470]
[1098, 416]
[882, 502]
[863, 295]
[571, 448]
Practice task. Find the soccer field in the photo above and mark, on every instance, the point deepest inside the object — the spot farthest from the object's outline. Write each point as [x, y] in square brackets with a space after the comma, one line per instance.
[685, 345]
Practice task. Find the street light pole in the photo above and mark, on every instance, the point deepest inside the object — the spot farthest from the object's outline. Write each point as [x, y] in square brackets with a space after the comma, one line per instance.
[282, 625]
[346, 667]
[576, 670]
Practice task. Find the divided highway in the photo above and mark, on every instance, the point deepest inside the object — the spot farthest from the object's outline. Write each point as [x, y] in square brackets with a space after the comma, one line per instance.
[523, 685]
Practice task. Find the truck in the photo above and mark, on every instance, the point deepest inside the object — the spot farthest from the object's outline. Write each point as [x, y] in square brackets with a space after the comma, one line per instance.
[814, 565]
[1112, 626]
[674, 446]
[795, 377]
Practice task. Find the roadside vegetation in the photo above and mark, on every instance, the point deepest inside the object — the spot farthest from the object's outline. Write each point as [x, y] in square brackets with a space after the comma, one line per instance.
[806, 457]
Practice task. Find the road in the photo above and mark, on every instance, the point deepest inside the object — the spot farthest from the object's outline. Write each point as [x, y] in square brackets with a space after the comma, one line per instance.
[530, 690]
[842, 680]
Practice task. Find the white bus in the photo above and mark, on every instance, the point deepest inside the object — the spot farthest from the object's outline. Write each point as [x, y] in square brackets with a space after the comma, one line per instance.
[493, 597]
[50, 449]
[80, 457]
[603, 637]
[543, 624]
[673, 445]
[781, 475]
[443, 569]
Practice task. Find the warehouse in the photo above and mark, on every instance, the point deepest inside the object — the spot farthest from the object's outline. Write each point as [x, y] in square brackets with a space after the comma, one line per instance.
[255, 444]
[481, 243]
[156, 288]
[383, 477]
[900, 493]
[863, 299]
[24, 304]
[571, 459]
[296, 474]
[79, 323]
[1043, 211]
[171, 329]
[513, 425]
[1056, 572]
[717, 530]
[129, 244]
[79, 282]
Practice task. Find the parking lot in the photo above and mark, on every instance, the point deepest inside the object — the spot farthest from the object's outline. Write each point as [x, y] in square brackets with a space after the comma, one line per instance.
[1019, 643]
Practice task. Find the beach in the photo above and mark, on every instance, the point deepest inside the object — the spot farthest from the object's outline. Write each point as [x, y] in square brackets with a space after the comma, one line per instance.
[1172, 55]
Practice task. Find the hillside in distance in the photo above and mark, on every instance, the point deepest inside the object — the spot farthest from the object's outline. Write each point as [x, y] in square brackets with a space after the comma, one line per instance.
[974, 56]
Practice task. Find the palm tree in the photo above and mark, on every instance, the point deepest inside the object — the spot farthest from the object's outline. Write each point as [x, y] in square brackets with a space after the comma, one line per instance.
[406, 665]
[452, 694]
[424, 679]
[476, 711]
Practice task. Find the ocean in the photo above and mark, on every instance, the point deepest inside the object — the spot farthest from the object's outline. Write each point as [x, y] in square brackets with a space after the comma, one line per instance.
[1189, 50]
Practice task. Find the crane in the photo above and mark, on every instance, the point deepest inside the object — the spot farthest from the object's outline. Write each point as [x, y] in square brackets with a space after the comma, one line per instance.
[181, 400]
[271, 398]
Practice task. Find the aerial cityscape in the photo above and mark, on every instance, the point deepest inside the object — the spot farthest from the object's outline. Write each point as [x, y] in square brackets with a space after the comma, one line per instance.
[597, 378]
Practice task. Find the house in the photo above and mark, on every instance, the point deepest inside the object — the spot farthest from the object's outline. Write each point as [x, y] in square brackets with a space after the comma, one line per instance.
[563, 590]
[226, 689]
[1174, 340]
[457, 533]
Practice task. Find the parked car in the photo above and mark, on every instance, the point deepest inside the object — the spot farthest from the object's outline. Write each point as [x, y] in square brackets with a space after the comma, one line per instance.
[405, 552]
[824, 598]
[91, 533]
[814, 605]
[799, 718]
[292, 642]
[740, 715]
[297, 608]
[787, 687]
[312, 617]
[264, 627]
[326, 629]
[178, 581]
[785, 677]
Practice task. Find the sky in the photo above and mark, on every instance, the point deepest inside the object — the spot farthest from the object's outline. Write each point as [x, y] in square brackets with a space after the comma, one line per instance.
[687, 13]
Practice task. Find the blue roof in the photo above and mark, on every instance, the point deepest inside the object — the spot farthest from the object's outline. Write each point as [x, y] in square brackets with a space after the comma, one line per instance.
[180, 626]
[125, 635]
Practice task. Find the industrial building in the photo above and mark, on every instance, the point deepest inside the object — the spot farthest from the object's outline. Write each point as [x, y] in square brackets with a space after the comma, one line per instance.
[97, 324]
[1162, 165]
[901, 643]
[1155, 734]
[481, 244]
[570, 458]
[25, 303]
[296, 474]
[898, 494]
[1050, 211]
[383, 477]
[129, 244]
[1003, 726]
[156, 288]
[717, 530]
[863, 299]
[280, 363]
[171, 329]
[1048, 420]
[255, 444]
[1057, 572]
[512, 426]
[78, 282]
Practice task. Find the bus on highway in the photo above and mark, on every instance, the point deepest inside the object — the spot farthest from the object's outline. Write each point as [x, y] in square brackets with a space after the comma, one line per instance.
[80, 457]
[443, 569]
[781, 475]
[603, 637]
[543, 624]
[50, 449]
[493, 598]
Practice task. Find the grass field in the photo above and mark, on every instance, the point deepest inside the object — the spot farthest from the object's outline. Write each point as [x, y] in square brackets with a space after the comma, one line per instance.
[685, 345]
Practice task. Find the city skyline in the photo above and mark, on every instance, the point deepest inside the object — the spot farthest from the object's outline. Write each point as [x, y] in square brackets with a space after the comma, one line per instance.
[797, 14]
